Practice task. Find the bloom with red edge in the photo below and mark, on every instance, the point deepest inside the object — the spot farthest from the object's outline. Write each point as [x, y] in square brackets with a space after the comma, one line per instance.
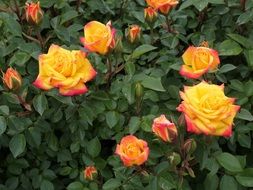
[133, 33]
[12, 79]
[33, 13]
[198, 61]
[163, 6]
[90, 172]
[132, 151]
[164, 129]
[64, 69]
[150, 15]
[207, 109]
[98, 37]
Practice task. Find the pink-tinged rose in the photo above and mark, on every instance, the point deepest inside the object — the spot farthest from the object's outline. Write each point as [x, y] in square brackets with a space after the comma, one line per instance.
[98, 37]
[132, 151]
[164, 129]
[198, 61]
[164, 6]
[208, 110]
[64, 69]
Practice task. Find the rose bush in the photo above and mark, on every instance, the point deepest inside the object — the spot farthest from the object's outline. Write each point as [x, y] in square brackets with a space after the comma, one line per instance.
[126, 95]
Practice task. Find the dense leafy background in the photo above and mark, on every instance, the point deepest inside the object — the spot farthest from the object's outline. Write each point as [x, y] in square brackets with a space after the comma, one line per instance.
[48, 148]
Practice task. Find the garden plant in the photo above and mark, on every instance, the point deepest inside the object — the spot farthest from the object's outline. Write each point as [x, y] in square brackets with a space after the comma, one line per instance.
[126, 94]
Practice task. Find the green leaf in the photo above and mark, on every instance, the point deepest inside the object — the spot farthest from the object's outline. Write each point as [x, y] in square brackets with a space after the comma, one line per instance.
[112, 118]
[4, 110]
[228, 48]
[245, 178]
[2, 125]
[152, 83]
[20, 58]
[111, 184]
[241, 40]
[245, 17]
[46, 185]
[211, 182]
[75, 186]
[248, 54]
[12, 25]
[244, 115]
[200, 4]
[40, 103]
[142, 50]
[229, 162]
[186, 4]
[134, 124]
[130, 68]
[94, 147]
[226, 68]
[17, 144]
[68, 16]
[228, 182]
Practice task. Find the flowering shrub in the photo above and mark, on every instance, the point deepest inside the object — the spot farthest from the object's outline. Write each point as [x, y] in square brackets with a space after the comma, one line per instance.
[126, 95]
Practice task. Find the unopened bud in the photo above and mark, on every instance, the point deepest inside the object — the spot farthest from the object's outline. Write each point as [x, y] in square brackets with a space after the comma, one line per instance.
[174, 159]
[139, 90]
[12, 79]
[33, 13]
[150, 15]
[90, 173]
[190, 146]
[134, 33]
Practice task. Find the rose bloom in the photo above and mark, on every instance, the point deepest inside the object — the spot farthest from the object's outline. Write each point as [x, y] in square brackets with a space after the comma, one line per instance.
[64, 69]
[12, 79]
[198, 61]
[132, 151]
[133, 34]
[164, 129]
[33, 13]
[207, 110]
[150, 15]
[163, 6]
[90, 172]
[98, 37]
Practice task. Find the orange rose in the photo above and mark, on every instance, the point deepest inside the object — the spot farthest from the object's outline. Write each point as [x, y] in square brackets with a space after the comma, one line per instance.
[150, 15]
[207, 110]
[98, 37]
[90, 172]
[12, 79]
[33, 13]
[132, 151]
[133, 34]
[198, 60]
[164, 129]
[163, 6]
[64, 69]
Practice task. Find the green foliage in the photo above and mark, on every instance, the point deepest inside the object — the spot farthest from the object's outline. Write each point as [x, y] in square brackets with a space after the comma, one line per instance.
[46, 139]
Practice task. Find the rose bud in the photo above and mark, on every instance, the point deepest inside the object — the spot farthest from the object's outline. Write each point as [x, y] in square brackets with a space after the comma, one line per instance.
[134, 33]
[150, 15]
[12, 79]
[33, 13]
[164, 129]
[90, 173]
[190, 146]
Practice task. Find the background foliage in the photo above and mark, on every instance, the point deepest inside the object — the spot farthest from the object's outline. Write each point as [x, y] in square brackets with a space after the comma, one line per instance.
[48, 148]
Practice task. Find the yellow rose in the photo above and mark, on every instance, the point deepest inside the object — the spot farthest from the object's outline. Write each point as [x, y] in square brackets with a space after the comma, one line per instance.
[98, 37]
[64, 69]
[207, 110]
[163, 6]
[198, 61]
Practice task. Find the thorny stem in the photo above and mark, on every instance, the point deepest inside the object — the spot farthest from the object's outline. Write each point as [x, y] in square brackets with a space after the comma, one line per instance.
[78, 3]
[30, 38]
[152, 33]
[243, 2]
[17, 11]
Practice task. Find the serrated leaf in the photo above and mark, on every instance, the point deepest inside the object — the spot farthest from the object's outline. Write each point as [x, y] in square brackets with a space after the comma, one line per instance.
[40, 103]
[17, 145]
[142, 50]
[94, 147]
[244, 115]
[229, 162]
